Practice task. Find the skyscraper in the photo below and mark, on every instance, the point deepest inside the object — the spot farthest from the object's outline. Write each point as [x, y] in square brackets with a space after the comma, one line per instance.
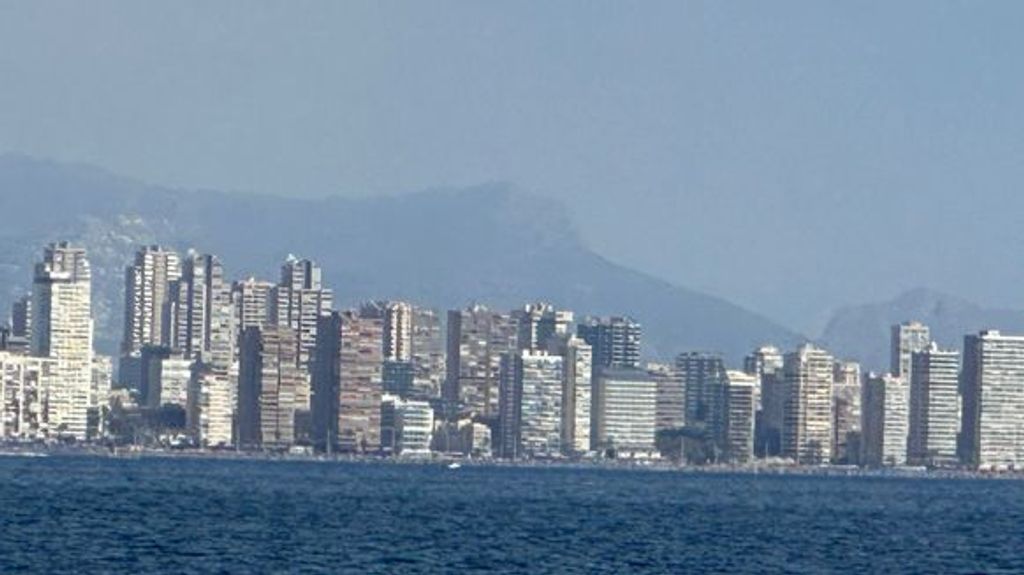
[766, 364]
[704, 380]
[576, 395]
[268, 378]
[615, 341]
[907, 338]
[477, 337]
[934, 407]
[740, 392]
[347, 382]
[203, 326]
[807, 410]
[203, 332]
[886, 420]
[147, 294]
[531, 409]
[251, 299]
[63, 330]
[298, 302]
[992, 389]
[846, 397]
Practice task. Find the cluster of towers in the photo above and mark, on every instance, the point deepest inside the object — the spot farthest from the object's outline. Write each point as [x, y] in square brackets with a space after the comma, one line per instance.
[255, 364]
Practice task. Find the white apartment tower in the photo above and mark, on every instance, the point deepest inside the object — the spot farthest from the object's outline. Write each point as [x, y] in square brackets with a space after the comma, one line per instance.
[992, 429]
[740, 408]
[807, 405]
[934, 407]
[530, 410]
[63, 330]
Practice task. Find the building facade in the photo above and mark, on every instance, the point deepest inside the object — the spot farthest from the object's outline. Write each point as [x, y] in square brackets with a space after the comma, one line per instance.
[348, 383]
[906, 339]
[992, 394]
[62, 329]
[934, 408]
[807, 410]
[477, 338]
[886, 420]
[268, 379]
[625, 407]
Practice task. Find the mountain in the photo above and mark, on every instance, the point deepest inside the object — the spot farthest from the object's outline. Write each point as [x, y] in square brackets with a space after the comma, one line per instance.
[862, 332]
[445, 248]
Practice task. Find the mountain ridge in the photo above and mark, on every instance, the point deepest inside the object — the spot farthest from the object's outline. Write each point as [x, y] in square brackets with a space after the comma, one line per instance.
[445, 247]
[862, 331]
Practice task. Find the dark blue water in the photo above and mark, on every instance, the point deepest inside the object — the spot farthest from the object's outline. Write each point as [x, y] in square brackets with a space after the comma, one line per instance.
[197, 516]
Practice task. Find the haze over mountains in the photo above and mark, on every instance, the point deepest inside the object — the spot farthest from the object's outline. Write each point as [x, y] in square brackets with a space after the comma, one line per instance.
[446, 248]
[862, 332]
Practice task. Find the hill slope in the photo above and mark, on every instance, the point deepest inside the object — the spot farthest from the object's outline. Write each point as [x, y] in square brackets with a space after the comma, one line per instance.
[442, 248]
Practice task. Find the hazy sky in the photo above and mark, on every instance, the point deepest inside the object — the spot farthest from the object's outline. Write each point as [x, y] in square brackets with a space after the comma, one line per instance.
[790, 157]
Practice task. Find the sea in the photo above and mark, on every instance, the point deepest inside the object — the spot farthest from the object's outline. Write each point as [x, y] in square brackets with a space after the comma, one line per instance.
[175, 515]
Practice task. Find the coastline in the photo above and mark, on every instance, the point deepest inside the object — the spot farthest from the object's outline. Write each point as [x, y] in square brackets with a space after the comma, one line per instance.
[755, 469]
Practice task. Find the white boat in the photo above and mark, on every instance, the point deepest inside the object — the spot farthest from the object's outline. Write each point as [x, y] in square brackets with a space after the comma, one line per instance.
[454, 465]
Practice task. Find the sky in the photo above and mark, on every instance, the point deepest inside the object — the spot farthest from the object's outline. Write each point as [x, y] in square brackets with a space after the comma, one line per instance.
[791, 157]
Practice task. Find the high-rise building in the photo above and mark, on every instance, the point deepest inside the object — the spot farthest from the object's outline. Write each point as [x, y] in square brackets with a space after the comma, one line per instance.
[807, 411]
[347, 382]
[886, 421]
[252, 303]
[907, 338]
[992, 394]
[704, 380]
[25, 385]
[538, 323]
[740, 399]
[398, 331]
[299, 301]
[576, 394]
[203, 327]
[428, 353]
[671, 410]
[62, 329]
[21, 317]
[615, 341]
[846, 397]
[203, 331]
[531, 413]
[209, 413]
[934, 408]
[624, 412]
[147, 294]
[766, 364]
[477, 337]
[268, 378]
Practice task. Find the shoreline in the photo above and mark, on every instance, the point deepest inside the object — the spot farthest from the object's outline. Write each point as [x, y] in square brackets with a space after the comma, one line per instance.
[756, 469]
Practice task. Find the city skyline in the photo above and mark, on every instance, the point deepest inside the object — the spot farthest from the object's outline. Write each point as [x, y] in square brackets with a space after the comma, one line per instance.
[247, 366]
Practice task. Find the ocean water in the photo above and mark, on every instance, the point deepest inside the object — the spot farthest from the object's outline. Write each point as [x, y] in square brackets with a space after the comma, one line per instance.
[93, 515]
